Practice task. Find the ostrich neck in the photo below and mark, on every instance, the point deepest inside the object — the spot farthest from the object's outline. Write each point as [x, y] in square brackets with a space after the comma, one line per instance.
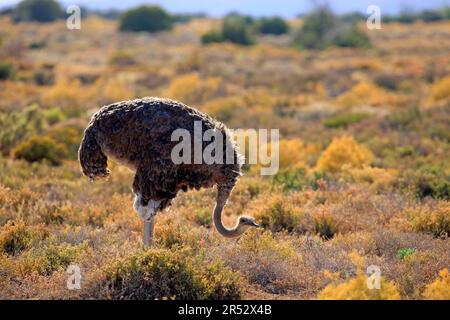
[224, 231]
[222, 196]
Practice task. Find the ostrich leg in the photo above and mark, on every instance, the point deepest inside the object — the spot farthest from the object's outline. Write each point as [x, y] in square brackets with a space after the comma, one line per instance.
[148, 232]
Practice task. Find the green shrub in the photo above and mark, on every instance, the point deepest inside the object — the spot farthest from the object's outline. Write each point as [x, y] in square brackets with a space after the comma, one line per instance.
[403, 119]
[7, 70]
[203, 217]
[427, 181]
[325, 226]
[344, 120]
[274, 25]
[432, 15]
[212, 37]
[405, 252]
[53, 256]
[145, 18]
[170, 274]
[15, 236]
[353, 37]
[316, 29]
[16, 126]
[322, 29]
[291, 179]
[38, 10]
[236, 29]
[278, 215]
[38, 148]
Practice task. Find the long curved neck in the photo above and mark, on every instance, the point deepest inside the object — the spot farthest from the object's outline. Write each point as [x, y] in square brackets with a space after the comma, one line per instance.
[222, 197]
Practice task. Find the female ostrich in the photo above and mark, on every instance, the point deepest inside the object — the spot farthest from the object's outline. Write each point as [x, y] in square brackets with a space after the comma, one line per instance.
[137, 133]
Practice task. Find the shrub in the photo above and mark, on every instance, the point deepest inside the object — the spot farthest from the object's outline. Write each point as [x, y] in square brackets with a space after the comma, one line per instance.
[38, 148]
[191, 88]
[145, 18]
[170, 274]
[273, 264]
[432, 15]
[435, 221]
[291, 179]
[38, 10]
[315, 32]
[353, 37]
[212, 36]
[7, 70]
[15, 236]
[53, 115]
[274, 25]
[344, 153]
[357, 289]
[18, 125]
[53, 256]
[235, 29]
[441, 89]
[277, 215]
[203, 217]
[405, 252]
[44, 78]
[325, 226]
[122, 58]
[380, 179]
[322, 29]
[344, 120]
[427, 182]
[440, 288]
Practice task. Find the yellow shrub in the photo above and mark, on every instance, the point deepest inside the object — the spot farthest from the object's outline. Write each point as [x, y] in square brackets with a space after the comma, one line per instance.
[357, 289]
[342, 154]
[66, 93]
[366, 93]
[441, 89]
[191, 89]
[294, 153]
[435, 221]
[381, 179]
[440, 288]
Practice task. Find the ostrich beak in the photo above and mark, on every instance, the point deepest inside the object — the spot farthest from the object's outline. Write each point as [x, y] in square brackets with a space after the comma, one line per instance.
[254, 224]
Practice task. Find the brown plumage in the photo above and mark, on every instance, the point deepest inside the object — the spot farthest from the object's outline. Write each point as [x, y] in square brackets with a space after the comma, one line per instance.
[137, 133]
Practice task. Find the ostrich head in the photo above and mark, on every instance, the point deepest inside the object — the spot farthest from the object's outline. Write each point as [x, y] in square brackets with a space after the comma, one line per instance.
[243, 223]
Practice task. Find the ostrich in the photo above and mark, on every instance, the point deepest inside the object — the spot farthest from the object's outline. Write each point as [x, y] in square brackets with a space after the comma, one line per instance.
[137, 133]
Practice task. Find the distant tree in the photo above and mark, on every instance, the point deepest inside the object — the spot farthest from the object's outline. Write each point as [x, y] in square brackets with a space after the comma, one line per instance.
[274, 25]
[317, 28]
[322, 29]
[236, 29]
[186, 17]
[212, 36]
[353, 17]
[145, 18]
[353, 37]
[432, 15]
[37, 10]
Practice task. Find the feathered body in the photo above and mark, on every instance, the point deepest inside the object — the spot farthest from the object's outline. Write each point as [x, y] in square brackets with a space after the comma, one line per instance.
[137, 133]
